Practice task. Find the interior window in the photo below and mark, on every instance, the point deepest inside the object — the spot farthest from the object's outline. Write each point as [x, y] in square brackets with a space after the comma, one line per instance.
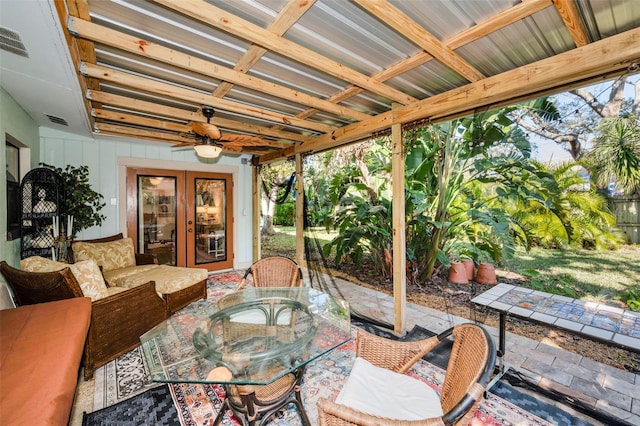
[13, 189]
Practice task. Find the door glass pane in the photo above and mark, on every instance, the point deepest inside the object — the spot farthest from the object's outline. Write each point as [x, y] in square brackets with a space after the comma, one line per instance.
[157, 217]
[211, 221]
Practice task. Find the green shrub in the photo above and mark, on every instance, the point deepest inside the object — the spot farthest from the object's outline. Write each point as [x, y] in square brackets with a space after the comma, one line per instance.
[632, 298]
[285, 214]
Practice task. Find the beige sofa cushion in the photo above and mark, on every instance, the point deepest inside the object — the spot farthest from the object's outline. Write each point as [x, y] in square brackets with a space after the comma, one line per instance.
[119, 277]
[86, 272]
[168, 279]
[110, 255]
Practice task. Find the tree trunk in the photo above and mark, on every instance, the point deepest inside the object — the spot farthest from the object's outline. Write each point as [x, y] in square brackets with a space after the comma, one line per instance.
[268, 210]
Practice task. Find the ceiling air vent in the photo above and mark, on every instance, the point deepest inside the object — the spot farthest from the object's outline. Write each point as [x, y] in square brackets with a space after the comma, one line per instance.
[57, 120]
[10, 41]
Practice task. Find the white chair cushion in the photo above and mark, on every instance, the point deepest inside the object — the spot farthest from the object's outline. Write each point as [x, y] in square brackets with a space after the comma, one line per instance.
[381, 392]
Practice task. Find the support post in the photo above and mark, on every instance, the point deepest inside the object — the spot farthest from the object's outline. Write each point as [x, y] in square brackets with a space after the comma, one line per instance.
[399, 239]
[257, 202]
[299, 213]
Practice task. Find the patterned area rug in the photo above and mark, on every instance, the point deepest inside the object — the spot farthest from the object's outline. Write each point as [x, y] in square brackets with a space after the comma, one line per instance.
[126, 379]
[152, 407]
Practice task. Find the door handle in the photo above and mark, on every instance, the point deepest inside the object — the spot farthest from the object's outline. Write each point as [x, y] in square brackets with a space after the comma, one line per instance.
[190, 230]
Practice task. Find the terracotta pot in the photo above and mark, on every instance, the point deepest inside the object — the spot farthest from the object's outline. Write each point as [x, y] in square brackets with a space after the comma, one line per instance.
[470, 267]
[458, 273]
[486, 274]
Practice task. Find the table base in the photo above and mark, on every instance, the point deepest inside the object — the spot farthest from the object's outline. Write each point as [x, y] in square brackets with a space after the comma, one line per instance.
[249, 402]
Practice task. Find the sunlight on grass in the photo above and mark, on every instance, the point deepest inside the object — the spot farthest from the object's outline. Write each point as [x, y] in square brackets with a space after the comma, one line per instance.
[284, 240]
[318, 232]
[590, 274]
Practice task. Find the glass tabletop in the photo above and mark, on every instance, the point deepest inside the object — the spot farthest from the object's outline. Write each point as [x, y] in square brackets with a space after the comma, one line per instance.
[253, 336]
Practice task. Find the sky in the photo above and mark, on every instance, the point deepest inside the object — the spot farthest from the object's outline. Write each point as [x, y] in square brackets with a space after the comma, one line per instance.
[548, 151]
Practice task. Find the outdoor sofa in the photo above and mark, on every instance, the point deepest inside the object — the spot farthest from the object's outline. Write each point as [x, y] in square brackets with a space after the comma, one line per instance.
[122, 267]
[42, 348]
[119, 316]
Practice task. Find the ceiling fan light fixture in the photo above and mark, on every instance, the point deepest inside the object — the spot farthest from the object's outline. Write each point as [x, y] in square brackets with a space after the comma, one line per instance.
[208, 151]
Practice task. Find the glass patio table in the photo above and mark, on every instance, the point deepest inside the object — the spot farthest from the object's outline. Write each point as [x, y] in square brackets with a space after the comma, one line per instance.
[257, 336]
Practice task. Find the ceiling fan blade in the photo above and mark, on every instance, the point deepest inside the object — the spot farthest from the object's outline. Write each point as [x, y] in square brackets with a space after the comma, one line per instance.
[184, 144]
[206, 129]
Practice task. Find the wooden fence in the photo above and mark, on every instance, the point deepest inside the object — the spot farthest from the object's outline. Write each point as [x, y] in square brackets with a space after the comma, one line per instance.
[627, 212]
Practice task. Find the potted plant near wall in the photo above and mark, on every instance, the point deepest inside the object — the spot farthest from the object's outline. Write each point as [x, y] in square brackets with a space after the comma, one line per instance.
[81, 201]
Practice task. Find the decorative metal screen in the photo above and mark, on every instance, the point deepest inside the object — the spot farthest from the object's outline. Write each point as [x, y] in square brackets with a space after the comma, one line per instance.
[42, 217]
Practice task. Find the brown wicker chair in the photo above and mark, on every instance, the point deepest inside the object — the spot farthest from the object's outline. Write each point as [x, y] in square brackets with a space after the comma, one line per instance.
[470, 366]
[117, 321]
[274, 271]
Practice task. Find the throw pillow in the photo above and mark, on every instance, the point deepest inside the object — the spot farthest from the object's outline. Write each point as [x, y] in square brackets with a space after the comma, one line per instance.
[110, 255]
[86, 272]
[41, 264]
[90, 278]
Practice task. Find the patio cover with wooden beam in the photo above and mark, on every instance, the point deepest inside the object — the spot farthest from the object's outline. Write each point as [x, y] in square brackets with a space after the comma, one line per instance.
[308, 76]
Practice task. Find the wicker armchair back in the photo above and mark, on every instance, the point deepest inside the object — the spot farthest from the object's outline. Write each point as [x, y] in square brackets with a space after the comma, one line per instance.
[274, 271]
[117, 321]
[30, 288]
[469, 370]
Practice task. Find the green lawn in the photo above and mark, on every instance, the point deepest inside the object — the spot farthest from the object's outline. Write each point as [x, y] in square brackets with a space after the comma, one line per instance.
[588, 274]
[591, 274]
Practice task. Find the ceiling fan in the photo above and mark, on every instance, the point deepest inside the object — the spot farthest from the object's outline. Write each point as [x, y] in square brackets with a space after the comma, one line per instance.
[211, 142]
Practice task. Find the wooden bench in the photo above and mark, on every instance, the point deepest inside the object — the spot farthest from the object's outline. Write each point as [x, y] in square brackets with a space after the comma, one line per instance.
[592, 320]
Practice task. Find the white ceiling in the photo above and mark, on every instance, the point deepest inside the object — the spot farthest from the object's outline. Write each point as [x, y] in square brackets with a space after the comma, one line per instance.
[45, 82]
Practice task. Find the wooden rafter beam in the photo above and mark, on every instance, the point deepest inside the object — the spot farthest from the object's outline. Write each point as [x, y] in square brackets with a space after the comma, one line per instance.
[133, 132]
[138, 120]
[571, 18]
[211, 15]
[156, 136]
[160, 125]
[495, 23]
[403, 24]
[288, 16]
[147, 49]
[152, 108]
[170, 90]
[611, 55]
[79, 51]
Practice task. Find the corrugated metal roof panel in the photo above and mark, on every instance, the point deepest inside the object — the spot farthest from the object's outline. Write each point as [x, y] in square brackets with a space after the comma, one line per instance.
[157, 70]
[609, 17]
[281, 70]
[519, 44]
[175, 31]
[446, 18]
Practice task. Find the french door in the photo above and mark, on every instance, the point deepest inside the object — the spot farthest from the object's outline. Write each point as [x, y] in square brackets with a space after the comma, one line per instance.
[184, 218]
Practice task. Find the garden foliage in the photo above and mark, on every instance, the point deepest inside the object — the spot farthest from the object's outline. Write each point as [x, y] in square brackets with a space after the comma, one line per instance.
[471, 190]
